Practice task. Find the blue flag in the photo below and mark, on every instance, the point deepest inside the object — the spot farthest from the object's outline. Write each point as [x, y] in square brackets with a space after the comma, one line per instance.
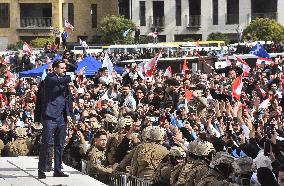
[259, 51]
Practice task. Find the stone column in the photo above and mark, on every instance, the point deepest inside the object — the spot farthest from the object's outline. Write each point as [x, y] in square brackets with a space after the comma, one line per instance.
[57, 14]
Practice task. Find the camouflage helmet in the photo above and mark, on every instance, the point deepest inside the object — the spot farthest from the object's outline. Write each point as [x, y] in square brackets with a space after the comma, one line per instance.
[1, 145]
[146, 133]
[204, 148]
[221, 157]
[177, 151]
[262, 161]
[110, 118]
[123, 122]
[192, 146]
[17, 148]
[21, 132]
[37, 126]
[242, 165]
[157, 133]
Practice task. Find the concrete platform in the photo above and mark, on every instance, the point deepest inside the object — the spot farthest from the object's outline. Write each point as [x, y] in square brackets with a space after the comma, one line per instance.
[22, 171]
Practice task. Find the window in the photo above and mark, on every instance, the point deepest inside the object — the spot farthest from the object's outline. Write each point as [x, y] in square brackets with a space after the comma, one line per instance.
[215, 12]
[142, 13]
[178, 12]
[4, 15]
[94, 13]
[232, 12]
[71, 13]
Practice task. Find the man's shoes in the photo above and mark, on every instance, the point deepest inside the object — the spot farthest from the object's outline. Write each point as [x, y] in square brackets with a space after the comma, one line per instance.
[41, 175]
[60, 174]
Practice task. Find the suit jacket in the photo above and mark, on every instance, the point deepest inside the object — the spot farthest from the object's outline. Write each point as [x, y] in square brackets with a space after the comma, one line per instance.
[57, 98]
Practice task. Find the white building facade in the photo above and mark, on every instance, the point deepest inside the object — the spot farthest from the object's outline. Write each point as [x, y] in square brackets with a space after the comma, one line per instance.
[180, 20]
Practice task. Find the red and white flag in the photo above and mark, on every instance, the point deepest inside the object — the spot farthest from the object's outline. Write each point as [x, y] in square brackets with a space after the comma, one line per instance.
[188, 95]
[27, 48]
[168, 72]
[184, 68]
[267, 61]
[237, 88]
[243, 65]
[104, 97]
[68, 25]
[201, 58]
[263, 93]
[153, 34]
[263, 105]
[228, 61]
[150, 66]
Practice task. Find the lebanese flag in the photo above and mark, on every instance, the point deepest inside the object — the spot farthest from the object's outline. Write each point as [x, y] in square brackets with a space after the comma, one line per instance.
[228, 61]
[237, 88]
[266, 60]
[188, 95]
[68, 25]
[201, 58]
[150, 66]
[243, 65]
[153, 34]
[184, 68]
[262, 91]
[263, 105]
[27, 48]
[104, 97]
[168, 73]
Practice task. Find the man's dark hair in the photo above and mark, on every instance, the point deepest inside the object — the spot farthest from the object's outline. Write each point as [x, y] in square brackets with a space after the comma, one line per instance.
[56, 63]
[100, 133]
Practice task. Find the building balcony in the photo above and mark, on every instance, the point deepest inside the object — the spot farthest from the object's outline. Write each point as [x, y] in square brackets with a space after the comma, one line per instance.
[270, 15]
[36, 23]
[157, 23]
[193, 21]
[232, 19]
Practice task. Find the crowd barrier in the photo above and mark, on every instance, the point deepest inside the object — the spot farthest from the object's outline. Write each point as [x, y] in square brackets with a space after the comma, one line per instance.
[121, 178]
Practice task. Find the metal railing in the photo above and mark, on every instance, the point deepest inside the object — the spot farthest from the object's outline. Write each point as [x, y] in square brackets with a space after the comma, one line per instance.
[232, 19]
[270, 15]
[35, 22]
[194, 21]
[120, 178]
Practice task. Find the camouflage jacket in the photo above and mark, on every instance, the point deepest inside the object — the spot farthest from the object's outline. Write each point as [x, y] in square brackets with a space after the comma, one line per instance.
[213, 178]
[192, 173]
[98, 165]
[146, 159]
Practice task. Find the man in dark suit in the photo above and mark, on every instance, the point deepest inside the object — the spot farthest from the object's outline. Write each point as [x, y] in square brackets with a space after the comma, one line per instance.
[56, 112]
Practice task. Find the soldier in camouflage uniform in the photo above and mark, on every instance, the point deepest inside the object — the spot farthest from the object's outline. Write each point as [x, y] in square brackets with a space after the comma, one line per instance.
[193, 171]
[243, 170]
[19, 147]
[219, 172]
[187, 164]
[98, 166]
[115, 138]
[1, 146]
[126, 162]
[148, 156]
[163, 172]
[35, 139]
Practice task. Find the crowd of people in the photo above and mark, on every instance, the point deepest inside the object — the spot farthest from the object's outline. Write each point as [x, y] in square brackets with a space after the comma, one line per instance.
[169, 131]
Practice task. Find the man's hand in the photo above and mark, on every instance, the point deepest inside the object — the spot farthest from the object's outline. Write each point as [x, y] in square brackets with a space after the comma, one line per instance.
[69, 120]
[82, 71]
